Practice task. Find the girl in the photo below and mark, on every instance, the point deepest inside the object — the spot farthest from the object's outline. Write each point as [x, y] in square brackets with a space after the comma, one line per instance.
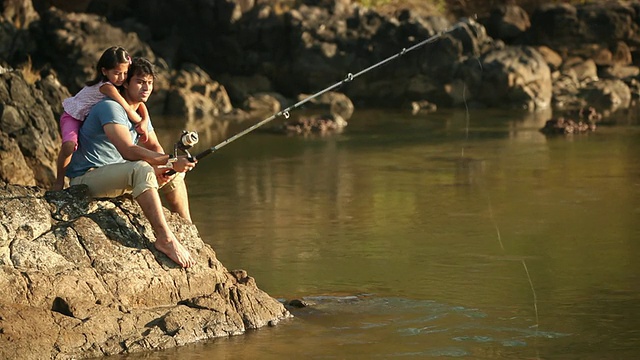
[111, 72]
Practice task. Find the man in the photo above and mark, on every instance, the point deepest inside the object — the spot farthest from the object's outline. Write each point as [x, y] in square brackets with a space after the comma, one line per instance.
[111, 164]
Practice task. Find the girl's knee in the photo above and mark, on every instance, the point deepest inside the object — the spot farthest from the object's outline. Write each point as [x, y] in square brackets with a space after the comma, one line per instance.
[68, 147]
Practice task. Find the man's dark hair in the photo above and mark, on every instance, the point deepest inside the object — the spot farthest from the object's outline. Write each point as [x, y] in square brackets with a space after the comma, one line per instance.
[141, 67]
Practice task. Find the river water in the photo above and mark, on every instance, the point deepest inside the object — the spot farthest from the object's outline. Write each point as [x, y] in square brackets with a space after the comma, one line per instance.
[447, 235]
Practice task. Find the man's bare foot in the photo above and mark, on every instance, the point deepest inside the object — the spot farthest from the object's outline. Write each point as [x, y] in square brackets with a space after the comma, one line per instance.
[175, 251]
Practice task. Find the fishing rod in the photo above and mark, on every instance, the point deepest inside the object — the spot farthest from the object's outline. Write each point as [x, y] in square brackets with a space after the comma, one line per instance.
[188, 139]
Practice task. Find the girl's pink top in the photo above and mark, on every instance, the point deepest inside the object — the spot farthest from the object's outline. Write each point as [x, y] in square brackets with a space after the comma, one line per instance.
[79, 105]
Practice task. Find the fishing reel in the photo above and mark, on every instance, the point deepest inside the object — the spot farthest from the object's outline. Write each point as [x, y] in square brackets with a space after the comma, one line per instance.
[185, 142]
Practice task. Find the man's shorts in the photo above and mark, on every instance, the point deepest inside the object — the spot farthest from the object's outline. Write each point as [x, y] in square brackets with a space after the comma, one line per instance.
[131, 177]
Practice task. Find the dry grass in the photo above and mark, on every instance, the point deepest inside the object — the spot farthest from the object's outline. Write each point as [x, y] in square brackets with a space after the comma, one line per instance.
[29, 74]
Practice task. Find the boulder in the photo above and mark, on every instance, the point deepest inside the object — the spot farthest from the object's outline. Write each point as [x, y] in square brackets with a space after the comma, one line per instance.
[607, 94]
[194, 95]
[331, 102]
[81, 278]
[29, 138]
[516, 77]
[72, 43]
[507, 22]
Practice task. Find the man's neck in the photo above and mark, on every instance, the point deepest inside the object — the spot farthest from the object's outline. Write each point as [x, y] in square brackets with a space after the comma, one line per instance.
[134, 104]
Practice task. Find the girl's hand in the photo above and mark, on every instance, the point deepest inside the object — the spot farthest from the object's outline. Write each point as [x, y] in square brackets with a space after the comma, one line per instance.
[141, 128]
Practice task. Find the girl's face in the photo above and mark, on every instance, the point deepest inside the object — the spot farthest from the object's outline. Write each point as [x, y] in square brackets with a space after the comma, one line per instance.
[118, 74]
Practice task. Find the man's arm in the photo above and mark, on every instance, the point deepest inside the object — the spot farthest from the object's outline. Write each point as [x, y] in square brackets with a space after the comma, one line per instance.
[121, 138]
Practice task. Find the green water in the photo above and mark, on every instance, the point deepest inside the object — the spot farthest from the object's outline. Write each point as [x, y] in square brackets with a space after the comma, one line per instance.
[447, 235]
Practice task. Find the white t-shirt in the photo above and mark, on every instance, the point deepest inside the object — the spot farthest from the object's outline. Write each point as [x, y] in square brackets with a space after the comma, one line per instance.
[79, 105]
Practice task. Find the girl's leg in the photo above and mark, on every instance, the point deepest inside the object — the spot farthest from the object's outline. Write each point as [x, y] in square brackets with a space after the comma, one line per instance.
[69, 127]
[64, 157]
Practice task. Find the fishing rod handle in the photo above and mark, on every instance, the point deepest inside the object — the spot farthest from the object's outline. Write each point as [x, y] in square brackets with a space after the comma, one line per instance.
[193, 159]
[172, 171]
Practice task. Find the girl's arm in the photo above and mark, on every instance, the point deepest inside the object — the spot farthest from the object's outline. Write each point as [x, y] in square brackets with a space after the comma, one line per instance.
[143, 112]
[141, 120]
[111, 91]
[142, 126]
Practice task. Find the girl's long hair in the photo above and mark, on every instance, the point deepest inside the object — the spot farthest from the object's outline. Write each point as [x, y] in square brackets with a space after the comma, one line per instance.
[110, 58]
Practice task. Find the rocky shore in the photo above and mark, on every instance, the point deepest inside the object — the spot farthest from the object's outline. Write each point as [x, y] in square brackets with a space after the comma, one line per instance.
[81, 277]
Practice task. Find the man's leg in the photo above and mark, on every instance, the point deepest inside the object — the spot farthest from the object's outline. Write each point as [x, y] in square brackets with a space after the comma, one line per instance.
[166, 241]
[175, 192]
[139, 179]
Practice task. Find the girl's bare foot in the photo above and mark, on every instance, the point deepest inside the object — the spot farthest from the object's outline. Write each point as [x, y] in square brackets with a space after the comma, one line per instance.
[175, 251]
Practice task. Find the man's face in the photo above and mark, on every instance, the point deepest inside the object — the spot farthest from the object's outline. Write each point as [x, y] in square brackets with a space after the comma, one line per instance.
[139, 88]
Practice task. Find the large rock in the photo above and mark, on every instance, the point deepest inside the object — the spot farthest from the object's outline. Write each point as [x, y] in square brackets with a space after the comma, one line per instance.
[81, 278]
[193, 94]
[29, 138]
[514, 77]
[507, 22]
[72, 43]
[16, 43]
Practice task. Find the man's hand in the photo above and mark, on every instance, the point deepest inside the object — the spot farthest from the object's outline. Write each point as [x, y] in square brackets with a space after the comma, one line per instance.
[162, 176]
[164, 173]
[183, 164]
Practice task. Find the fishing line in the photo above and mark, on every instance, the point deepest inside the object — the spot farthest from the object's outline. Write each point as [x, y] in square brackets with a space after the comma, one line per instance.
[533, 290]
[467, 119]
[490, 209]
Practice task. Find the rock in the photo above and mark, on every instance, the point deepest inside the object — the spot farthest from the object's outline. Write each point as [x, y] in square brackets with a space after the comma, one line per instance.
[517, 77]
[565, 126]
[300, 303]
[331, 102]
[72, 43]
[81, 278]
[573, 122]
[298, 48]
[583, 70]
[264, 104]
[507, 22]
[29, 138]
[553, 59]
[423, 106]
[607, 94]
[194, 94]
[307, 125]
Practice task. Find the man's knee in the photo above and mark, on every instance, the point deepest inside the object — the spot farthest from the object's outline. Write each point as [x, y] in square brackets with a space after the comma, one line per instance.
[143, 178]
[175, 183]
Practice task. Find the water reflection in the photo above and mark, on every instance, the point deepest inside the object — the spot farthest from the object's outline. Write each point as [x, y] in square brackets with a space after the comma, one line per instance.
[473, 234]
